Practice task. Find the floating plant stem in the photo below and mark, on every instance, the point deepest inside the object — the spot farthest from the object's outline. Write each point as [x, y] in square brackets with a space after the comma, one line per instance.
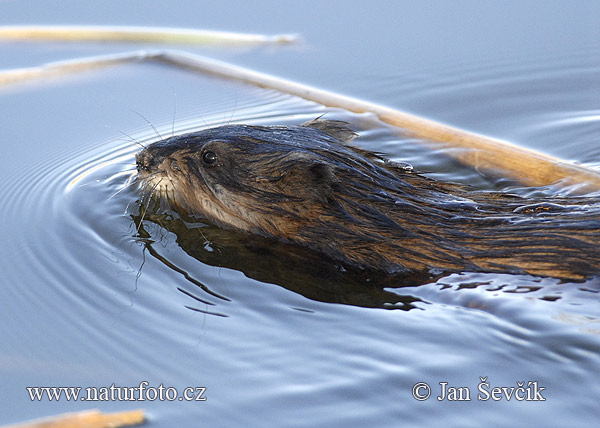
[530, 167]
[88, 419]
[139, 35]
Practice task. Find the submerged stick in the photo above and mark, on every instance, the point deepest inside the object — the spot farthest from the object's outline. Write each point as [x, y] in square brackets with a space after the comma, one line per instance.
[138, 35]
[530, 167]
[63, 68]
[87, 419]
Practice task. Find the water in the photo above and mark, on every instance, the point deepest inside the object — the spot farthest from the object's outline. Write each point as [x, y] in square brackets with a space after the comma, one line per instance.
[88, 300]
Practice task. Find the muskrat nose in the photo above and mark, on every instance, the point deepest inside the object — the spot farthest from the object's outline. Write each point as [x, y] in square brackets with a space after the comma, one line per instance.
[143, 161]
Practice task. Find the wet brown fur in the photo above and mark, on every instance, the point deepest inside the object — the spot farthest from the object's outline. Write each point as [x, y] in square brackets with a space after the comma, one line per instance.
[305, 185]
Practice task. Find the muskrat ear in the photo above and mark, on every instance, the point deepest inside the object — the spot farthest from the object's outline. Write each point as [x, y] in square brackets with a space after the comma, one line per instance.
[334, 128]
[310, 179]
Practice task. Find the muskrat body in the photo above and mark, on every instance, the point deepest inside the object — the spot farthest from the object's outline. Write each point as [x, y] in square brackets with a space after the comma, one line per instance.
[305, 185]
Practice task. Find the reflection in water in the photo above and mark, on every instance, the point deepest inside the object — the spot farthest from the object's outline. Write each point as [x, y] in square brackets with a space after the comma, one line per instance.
[318, 278]
[295, 268]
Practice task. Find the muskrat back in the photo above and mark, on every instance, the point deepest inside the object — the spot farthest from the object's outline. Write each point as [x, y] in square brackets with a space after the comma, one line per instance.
[306, 185]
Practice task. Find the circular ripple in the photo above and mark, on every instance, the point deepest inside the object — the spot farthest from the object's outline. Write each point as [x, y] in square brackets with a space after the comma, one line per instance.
[78, 255]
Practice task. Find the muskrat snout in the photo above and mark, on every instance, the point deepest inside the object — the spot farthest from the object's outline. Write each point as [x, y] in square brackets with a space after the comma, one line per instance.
[142, 161]
[149, 159]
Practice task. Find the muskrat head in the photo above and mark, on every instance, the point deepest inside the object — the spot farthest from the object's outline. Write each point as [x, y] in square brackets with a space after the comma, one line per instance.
[265, 180]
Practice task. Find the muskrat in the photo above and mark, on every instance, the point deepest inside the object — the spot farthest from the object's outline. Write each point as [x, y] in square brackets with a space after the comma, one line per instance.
[307, 185]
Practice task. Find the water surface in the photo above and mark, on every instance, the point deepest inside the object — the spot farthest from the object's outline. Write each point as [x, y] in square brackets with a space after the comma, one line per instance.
[90, 298]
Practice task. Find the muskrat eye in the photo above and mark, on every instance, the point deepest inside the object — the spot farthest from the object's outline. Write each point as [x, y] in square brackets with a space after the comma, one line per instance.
[209, 158]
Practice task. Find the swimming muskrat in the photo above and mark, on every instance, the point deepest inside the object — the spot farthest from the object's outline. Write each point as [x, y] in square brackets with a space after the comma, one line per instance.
[306, 185]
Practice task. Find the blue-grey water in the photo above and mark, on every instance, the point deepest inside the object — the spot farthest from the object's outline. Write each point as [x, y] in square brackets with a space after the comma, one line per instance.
[89, 300]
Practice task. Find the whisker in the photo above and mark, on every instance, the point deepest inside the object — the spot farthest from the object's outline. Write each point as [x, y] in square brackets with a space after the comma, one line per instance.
[126, 208]
[149, 123]
[125, 134]
[204, 122]
[147, 206]
[174, 113]
[143, 191]
[85, 184]
[127, 186]
[234, 109]
[146, 180]
[124, 163]
[131, 175]
[207, 241]
[176, 190]
[145, 185]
